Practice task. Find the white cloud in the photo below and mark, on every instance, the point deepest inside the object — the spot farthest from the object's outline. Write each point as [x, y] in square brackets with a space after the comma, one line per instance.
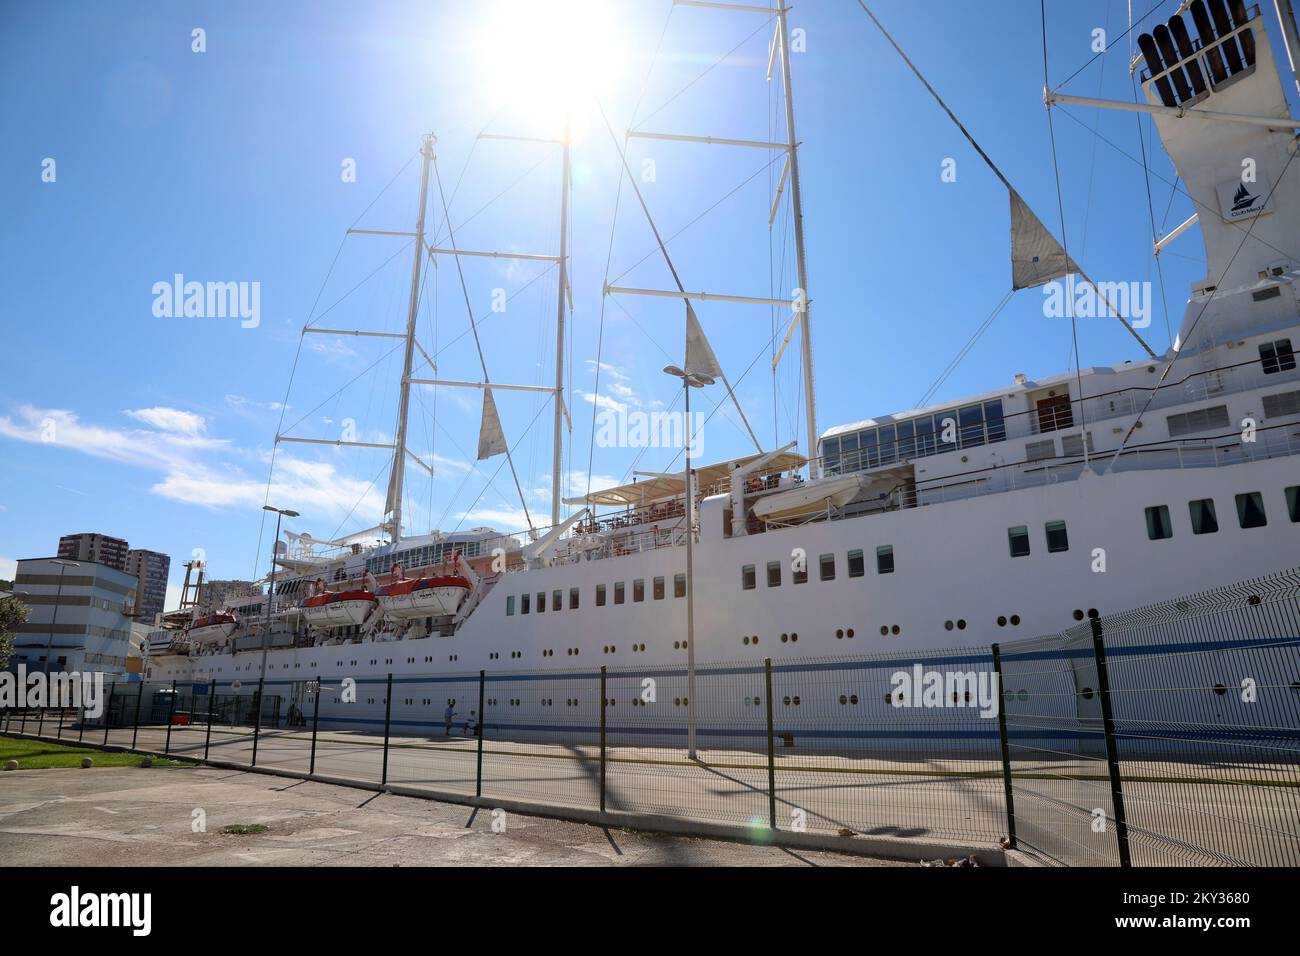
[602, 401]
[607, 369]
[169, 420]
[8, 568]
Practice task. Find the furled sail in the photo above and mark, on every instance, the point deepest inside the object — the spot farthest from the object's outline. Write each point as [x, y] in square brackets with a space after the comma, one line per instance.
[1036, 256]
[700, 359]
[491, 440]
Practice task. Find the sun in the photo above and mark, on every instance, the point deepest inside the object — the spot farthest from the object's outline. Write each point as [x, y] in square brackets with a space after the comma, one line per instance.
[552, 61]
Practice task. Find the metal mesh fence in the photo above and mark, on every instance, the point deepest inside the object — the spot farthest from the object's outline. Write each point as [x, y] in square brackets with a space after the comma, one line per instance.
[1169, 735]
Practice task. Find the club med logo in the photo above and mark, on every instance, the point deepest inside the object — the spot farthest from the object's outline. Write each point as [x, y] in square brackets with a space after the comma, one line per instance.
[1242, 199]
[921, 688]
[620, 428]
[58, 689]
[1083, 300]
[74, 909]
[208, 300]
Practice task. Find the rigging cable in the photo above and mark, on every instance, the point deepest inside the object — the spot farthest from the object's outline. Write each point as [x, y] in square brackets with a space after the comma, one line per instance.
[469, 309]
[1065, 247]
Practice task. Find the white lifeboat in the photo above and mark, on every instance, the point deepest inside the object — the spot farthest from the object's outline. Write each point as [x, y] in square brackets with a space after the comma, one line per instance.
[212, 628]
[338, 608]
[808, 498]
[437, 595]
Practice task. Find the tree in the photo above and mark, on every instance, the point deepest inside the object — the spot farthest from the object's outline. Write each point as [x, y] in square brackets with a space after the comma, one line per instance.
[13, 613]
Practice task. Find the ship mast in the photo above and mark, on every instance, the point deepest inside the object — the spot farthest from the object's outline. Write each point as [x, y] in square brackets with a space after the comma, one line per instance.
[398, 472]
[557, 454]
[796, 205]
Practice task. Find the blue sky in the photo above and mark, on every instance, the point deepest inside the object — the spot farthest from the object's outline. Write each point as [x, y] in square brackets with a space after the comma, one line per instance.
[226, 166]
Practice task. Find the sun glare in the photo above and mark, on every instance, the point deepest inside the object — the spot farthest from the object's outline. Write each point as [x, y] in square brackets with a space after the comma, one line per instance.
[551, 61]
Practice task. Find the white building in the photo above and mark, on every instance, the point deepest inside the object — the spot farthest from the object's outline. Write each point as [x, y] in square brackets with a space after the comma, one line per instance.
[80, 615]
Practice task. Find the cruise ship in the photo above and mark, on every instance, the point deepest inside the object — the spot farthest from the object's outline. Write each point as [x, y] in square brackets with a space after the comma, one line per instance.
[1011, 513]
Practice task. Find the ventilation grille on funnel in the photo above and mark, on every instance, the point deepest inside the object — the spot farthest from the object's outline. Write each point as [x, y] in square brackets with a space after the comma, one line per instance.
[1181, 65]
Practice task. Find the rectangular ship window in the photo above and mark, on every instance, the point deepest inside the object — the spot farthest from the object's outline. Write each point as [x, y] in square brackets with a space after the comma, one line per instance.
[1202, 419]
[747, 580]
[856, 569]
[541, 602]
[1204, 520]
[1058, 539]
[573, 599]
[557, 600]
[1250, 510]
[618, 592]
[679, 585]
[523, 603]
[774, 574]
[1159, 526]
[510, 606]
[1018, 538]
[1277, 356]
[659, 589]
[827, 564]
[600, 595]
[885, 559]
[638, 590]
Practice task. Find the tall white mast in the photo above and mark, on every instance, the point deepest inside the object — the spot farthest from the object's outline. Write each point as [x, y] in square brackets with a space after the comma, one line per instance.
[796, 205]
[557, 456]
[399, 448]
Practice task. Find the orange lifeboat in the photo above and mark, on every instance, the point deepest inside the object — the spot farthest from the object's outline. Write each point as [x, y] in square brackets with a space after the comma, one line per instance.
[338, 608]
[439, 595]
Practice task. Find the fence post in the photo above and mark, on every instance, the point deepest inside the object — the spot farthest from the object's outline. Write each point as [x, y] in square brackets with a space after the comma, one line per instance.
[138, 697]
[60, 734]
[771, 748]
[212, 702]
[22, 727]
[81, 730]
[604, 701]
[40, 722]
[171, 715]
[1112, 751]
[108, 711]
[388, 715]
[1006, 749]
[482, 732]
[257, 718]
[315, 722]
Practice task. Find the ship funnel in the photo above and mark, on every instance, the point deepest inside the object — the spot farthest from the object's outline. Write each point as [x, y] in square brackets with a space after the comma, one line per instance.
[1233, 170]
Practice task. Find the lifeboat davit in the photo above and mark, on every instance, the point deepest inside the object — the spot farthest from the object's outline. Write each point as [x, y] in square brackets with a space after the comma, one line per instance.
[437, 596]
[211, 628]
[338, 608]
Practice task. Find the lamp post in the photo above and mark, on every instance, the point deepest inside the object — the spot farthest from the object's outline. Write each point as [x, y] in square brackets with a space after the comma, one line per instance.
[266, 625]
[690, 380]
[58, 596]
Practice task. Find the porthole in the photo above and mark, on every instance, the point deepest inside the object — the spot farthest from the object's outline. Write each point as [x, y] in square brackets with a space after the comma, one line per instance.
[794, 638]
[796, 701]
[1092, 612]
[850, 633]
[1087, 693]
[961, 624]
[785, 638]
[1015, 620]
[853, 698]
[745, 639]
[1220, 689]
[839, 634]
[898, 630]
[786, 701]
[884, 630]
[843, 699]
[1078, 614]
[947, 625]
[1002, 621]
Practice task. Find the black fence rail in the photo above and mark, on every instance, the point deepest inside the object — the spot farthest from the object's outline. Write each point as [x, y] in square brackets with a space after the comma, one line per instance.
[1168, 735]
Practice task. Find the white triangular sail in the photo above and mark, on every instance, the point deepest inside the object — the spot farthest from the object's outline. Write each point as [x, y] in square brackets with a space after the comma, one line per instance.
[700, 359]
[491, 440]
[1036, 256]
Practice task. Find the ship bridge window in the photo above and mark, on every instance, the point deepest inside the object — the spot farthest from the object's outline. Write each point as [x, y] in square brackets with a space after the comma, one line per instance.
[1018, 538]
[1058, 539]
[1277, 356]
[885, 559]
[774, 574]
[1159, 526]
[510, 606]
[600, 595]
[747, 577]
[1293, 503]
[1204, 520]
[1250, 510]
[966, 427]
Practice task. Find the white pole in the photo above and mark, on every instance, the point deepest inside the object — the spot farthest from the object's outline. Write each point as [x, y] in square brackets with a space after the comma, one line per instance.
[1290, 39]
[796, 203]
[404, 404]
[690, 583]
[557, 462]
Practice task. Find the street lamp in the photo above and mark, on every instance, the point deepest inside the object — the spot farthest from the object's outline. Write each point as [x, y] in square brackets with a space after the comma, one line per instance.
[690, 380]
[58, 596]
[266, 629]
